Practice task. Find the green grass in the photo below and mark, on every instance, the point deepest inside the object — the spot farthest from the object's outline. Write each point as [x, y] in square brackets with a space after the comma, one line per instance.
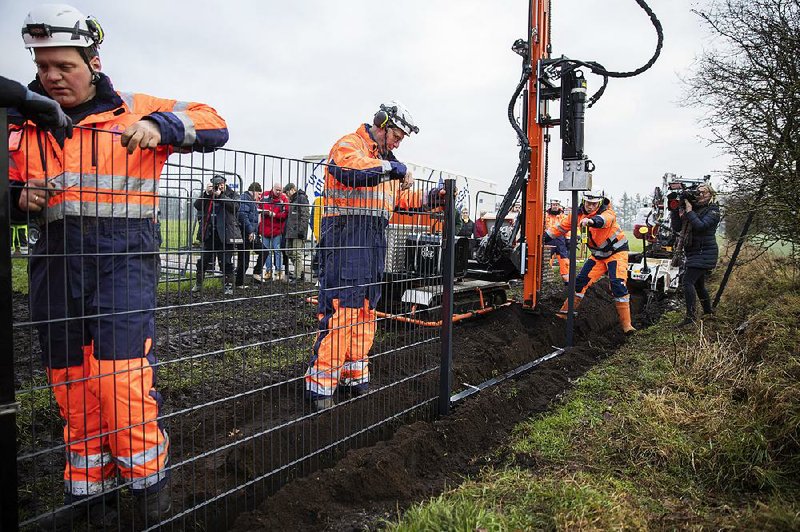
[681, 428]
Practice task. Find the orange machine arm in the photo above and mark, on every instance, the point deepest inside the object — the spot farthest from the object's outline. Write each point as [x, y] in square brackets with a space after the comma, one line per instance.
[539, 42]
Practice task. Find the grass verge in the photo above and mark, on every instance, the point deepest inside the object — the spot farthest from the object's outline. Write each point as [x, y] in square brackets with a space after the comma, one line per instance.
[681, 428]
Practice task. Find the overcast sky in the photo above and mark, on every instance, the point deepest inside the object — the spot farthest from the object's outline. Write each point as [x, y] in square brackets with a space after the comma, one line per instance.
[291, 78]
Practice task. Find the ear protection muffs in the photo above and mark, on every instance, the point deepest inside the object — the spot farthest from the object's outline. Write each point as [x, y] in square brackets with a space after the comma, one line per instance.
[382, 117]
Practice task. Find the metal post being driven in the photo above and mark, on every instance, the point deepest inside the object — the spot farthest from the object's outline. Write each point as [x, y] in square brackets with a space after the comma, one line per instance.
[573, 268]
[8, 406]
[448, 273]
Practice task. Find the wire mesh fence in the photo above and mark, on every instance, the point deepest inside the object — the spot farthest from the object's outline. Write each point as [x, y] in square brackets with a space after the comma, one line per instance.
[191, 331]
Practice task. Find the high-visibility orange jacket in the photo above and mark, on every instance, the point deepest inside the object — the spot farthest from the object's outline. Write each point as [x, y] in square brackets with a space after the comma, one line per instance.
[552, 220]
[358, 180]
[605, 235]
[92, 173]
[409, 200]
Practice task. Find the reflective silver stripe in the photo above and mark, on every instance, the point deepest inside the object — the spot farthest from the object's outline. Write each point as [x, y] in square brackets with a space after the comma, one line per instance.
[121, 183]
[624, 299]
[386, 165]
[353, 382]
[346, 144]
[354, 211]
[85, 462]
[190, 134]
[99, 210]
[353, 194]
[127, 97]
[180, 106]
[149, 480]
[84, 487]
[145, 456]
[355, 365]
[317, 388]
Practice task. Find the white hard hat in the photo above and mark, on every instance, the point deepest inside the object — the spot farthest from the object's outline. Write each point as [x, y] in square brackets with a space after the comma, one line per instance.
[395, 113]
[594, 195]
[50, 25]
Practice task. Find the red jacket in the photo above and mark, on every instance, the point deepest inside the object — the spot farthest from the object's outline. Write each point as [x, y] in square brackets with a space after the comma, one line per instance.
[272, 226]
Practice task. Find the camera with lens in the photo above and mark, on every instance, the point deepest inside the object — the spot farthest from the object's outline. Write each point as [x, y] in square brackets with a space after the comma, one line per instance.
[679, 193]
[218, 182]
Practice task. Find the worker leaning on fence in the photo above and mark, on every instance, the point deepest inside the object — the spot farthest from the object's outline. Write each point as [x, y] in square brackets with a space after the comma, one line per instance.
[93, 270]
[361, 183]
[554, 216]
[609, 249]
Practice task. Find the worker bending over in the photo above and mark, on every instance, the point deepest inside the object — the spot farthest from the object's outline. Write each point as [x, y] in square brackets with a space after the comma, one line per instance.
[362, 181]
[609, 250]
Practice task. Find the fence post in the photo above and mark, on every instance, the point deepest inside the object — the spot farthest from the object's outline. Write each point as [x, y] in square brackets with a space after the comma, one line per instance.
[448, 272]
[8, 405]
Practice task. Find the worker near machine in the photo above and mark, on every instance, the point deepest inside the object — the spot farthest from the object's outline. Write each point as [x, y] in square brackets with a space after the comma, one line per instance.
[609, 253]
[697, 222]
[436, 205]
[554, 216]
[362, 180]
[93, 271]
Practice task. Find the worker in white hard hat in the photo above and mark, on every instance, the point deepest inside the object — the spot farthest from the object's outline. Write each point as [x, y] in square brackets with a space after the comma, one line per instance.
[609, 249]
[362, 182]
[93, 272]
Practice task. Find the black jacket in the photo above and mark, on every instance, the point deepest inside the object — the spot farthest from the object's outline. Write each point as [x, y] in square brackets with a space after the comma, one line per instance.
[219, 215]
[467, 229]
[700, 244]
[299, 214]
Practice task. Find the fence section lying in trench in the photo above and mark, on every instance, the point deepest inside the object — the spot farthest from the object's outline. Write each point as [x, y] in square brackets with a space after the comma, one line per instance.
[201, 393]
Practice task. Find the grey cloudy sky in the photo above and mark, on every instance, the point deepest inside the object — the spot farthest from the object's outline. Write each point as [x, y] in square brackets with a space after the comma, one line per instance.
[292, 77]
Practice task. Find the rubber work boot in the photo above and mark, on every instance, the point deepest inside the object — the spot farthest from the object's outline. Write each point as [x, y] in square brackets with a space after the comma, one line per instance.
[154, 507]
[562, 312]
[322, 402]
[688, 320]
[624, 313]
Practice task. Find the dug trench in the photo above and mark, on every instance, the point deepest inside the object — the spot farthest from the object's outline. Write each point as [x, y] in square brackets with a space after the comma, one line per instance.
[422, 458]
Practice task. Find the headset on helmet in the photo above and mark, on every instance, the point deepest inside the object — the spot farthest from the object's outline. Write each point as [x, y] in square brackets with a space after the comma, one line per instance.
[50, 25]
[54, 25]
[395, 114]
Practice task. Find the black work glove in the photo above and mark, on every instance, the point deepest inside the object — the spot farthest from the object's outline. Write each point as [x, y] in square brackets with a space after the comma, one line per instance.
[45, 113]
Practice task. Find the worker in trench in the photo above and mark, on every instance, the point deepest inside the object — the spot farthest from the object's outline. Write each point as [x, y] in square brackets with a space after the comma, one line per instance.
[609, 253]
[553, 217]
[93, 272]
[362, 180]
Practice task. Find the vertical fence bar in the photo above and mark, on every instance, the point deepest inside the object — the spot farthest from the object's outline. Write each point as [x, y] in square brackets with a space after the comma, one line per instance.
[448, 267]
[8, 407]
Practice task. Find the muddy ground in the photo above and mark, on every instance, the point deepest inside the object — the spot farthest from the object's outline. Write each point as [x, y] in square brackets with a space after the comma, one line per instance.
[242, 438]
[421, 459]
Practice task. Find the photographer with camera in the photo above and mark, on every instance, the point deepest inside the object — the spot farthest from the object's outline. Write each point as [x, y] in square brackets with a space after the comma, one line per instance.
[696, 221]
[220, 230]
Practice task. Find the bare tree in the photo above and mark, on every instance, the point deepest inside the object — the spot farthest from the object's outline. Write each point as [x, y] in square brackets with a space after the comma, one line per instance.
[748, 84]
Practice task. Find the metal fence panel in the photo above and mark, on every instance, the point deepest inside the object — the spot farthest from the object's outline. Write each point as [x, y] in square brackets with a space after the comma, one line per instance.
[201, 394]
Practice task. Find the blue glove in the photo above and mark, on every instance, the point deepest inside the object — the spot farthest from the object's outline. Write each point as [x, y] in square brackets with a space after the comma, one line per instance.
[398, 170]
